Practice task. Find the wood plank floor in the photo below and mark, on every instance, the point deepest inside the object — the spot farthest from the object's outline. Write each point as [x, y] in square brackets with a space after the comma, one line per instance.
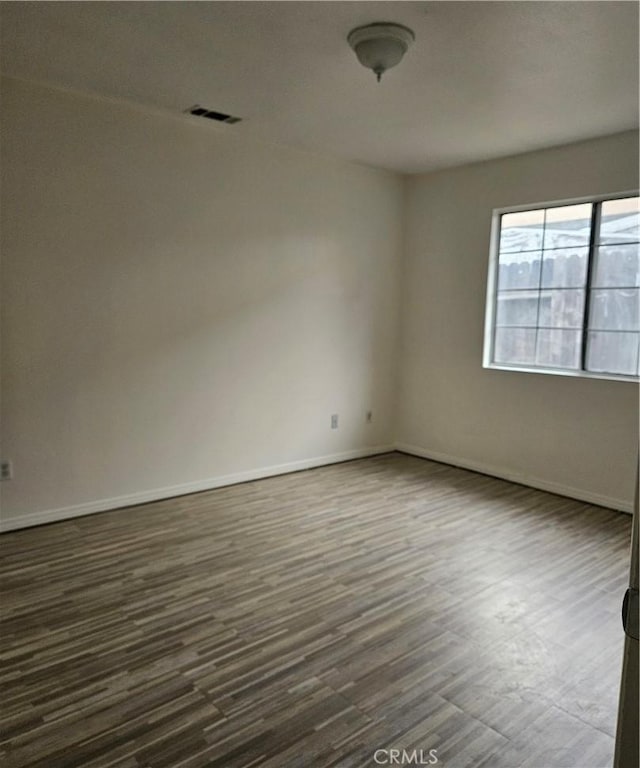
[314, 618]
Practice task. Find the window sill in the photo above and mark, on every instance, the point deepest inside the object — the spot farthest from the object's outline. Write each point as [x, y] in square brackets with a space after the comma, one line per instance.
[562, 372]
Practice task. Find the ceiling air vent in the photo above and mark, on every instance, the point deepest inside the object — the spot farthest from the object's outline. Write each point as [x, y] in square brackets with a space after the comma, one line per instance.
[211, 114]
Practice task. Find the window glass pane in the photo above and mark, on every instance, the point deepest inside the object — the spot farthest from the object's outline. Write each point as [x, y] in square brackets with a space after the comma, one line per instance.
[620, 221]
[568, 226]
[565, 268]
[517, 308]
[521, 231]
[515, 345]
[561, 309]
[614, 310]
[612, 352]
[548, 290]
[617, 265]
[558, 349]
[519, 270]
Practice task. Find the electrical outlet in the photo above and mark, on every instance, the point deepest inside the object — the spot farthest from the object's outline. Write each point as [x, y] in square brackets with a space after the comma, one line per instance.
[369, 417]
[6, 470]
[334, 421]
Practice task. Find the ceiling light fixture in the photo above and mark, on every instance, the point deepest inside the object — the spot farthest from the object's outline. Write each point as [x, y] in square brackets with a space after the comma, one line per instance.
[380, 46]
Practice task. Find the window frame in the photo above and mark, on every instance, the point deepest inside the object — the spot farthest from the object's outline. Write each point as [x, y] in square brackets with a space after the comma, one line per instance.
[491, 301]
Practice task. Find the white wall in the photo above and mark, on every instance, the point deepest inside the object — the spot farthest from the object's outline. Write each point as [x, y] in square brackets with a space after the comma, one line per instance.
[575, 436]
[182, 307]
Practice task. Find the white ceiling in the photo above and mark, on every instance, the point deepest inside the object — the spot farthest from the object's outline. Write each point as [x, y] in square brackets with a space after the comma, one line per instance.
[483, 79]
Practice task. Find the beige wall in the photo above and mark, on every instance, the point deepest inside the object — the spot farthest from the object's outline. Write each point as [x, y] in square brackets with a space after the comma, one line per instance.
[575, 436]
[182, 307]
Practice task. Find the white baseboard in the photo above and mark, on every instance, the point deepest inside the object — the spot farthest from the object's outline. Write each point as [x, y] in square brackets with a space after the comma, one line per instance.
[517, 477]
[142, 497]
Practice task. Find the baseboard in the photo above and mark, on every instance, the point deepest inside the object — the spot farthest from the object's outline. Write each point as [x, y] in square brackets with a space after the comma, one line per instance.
[143, 497]
[516, 477]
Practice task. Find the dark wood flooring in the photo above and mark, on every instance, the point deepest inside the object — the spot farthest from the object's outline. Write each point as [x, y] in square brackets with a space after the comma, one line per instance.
[314, 618]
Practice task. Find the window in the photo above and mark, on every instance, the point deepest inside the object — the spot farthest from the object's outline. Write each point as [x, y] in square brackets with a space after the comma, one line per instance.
[564, 289]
